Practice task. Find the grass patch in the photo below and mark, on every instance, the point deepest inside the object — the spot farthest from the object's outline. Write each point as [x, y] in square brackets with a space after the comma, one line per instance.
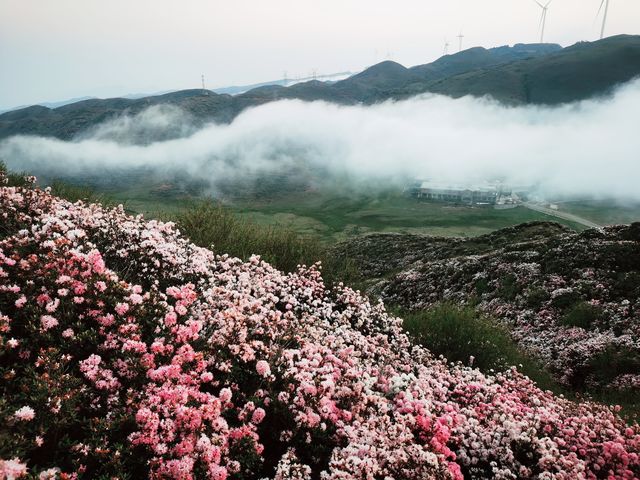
[208, 223]
[460, 332]
[73, 193]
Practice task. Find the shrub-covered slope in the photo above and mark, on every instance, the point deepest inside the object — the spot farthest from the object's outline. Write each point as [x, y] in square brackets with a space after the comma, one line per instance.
[572, 299]
[128, 352]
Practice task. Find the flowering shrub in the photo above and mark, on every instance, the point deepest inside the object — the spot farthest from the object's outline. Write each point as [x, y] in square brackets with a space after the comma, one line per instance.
[127, 352]
[571, 299]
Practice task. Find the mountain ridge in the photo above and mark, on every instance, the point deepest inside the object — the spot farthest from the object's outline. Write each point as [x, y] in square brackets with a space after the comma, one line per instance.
[545, 74]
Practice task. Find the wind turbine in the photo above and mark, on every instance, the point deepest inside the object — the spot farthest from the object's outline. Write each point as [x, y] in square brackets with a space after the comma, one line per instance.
[446, 46]
[604, 17]
[543, 18]
[460, 37]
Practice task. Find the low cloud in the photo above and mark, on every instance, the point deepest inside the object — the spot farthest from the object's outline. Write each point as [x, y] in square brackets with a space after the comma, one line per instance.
[586, 149]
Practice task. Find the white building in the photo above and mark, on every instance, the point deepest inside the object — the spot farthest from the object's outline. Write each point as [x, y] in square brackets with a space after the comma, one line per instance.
[467, 194]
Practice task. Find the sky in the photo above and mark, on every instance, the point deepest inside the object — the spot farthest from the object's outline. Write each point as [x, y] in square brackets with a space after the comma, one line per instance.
[52, 50]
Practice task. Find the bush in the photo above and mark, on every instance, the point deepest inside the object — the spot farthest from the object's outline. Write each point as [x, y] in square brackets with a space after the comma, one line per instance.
[536, 297]
[481, 286]
[566, 300]
[13, 179]
[582, 315]
[208, 223]
[199, 366]
[508, 287]
[460, 332]
[614, 361]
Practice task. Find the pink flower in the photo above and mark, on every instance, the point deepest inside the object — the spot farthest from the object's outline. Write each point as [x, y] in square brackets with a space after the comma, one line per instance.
[170, 319]
[68, 333]
[122, 308]
[21, 301]
[225, 395]
[52, 306]
[262, 368]
[48, 322]
[25, 414]
[135, 299]
[49, 474]
[12, 469]
[257, 416]
[217, 472]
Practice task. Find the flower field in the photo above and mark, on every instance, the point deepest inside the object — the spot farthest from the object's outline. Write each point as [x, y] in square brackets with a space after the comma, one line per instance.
[571, 299]
[127, 352]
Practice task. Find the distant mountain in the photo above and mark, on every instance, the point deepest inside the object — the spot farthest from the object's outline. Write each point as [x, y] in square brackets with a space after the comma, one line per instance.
[522, 74]
[237, 89]
[573, 73]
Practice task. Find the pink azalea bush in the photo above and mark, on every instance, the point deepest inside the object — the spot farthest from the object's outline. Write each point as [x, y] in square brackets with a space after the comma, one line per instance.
[128, 352]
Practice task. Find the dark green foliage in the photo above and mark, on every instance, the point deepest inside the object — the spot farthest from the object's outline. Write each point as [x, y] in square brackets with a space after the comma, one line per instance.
[459, 332]
[536, 296]
[582, 315]
[627, 284]
[566, 300]
[509, 287]
[482, 286]
[614, 361]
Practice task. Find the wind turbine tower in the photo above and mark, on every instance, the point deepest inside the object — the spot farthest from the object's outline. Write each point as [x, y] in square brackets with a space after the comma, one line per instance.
[446, 47]
[204, 90]
[543, 18]
[604, 17]
[460, 37]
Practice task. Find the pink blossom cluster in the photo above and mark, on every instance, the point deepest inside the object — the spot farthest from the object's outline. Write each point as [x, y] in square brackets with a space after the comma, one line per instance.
[184, 364]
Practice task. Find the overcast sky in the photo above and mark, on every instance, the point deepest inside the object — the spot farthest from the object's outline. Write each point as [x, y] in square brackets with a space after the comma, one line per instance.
[58, 49]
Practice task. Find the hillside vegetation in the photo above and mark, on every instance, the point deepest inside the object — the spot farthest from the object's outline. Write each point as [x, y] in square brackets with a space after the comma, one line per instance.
[128, 352]
[570, 299]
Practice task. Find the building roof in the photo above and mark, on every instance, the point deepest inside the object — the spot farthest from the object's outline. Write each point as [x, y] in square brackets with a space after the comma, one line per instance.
[487, 188]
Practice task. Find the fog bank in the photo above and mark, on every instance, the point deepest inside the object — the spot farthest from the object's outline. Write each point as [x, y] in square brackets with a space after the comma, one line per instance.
[590, 148]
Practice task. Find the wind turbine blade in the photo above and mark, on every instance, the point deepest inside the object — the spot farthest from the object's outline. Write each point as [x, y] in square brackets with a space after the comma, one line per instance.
[600, 9]
[548, 3]
[604, 18]
[539, 4]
